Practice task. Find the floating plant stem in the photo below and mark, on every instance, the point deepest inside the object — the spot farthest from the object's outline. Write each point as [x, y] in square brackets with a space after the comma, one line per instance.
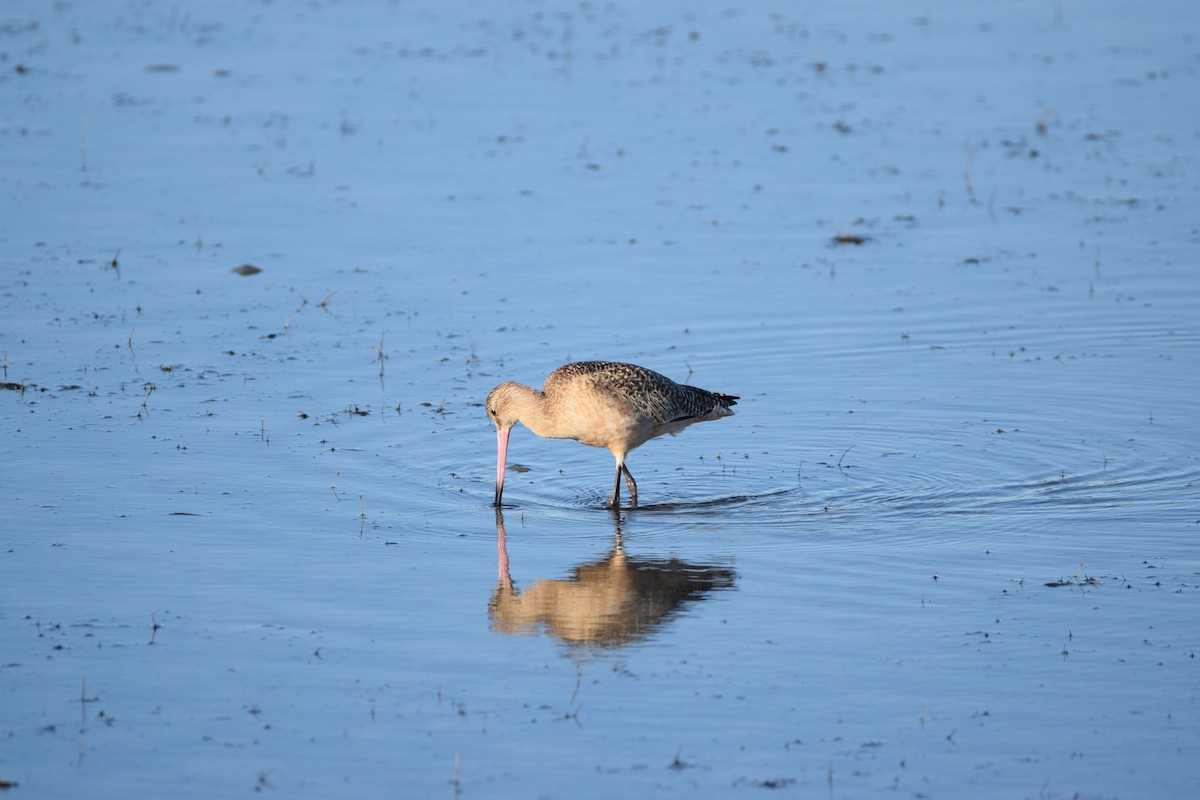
[150, 388]
[847, 450]
[380, 356]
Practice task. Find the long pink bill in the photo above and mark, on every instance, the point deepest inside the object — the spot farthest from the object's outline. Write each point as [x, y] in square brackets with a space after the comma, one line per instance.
[501, 457]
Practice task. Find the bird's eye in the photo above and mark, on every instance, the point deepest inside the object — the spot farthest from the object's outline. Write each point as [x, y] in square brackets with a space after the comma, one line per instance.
[492, 411]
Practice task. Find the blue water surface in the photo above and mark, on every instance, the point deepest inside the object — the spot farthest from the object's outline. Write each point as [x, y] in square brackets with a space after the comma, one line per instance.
[945, 254]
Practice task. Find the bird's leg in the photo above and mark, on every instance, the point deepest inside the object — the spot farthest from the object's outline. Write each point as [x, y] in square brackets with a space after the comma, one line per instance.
[614, 501]
[630, 483]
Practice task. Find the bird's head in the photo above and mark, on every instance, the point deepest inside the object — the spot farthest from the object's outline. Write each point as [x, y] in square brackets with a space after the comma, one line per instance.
[501, 405]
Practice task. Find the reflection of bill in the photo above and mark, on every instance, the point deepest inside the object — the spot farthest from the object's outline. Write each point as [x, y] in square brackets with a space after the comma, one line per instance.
[609, 603]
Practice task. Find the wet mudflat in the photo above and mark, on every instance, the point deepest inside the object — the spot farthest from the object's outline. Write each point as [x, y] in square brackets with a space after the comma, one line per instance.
[946, 256]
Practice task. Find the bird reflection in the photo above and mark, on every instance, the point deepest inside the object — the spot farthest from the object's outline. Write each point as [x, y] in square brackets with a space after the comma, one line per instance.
[607, 603]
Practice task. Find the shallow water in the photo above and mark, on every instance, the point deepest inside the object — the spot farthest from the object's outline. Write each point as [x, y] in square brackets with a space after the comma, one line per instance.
[947, 545]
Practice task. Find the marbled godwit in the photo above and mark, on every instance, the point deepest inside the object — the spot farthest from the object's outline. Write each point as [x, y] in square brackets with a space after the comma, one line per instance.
[603, 404]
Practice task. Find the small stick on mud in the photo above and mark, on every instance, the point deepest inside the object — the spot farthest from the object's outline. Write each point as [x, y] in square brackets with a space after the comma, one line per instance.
[6, 366]
[333, 486]
[116, 267]
[362, 518]
[456, 781]
[262, 431]
[154, 626]
[129, 341]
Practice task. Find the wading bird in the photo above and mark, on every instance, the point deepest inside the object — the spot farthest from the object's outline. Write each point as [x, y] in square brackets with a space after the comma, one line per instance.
[602, 404]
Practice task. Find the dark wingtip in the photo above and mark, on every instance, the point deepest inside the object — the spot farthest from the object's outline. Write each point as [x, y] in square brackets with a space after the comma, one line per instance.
[728, 400]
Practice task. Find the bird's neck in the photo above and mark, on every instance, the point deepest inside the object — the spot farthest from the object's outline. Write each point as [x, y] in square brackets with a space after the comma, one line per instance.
[532, 410]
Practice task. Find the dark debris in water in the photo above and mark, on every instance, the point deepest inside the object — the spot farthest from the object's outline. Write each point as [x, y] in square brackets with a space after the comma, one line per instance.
[247, 269]
[849, 238]
[1074, 580]
[22, 387]
[768, 783]
[1084, 581]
